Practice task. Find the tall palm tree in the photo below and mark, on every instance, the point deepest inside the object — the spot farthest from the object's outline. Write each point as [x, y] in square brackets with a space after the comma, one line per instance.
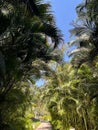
[85, 31]
[24, 37]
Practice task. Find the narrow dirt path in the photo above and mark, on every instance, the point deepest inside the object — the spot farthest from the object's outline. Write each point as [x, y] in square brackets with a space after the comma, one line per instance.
[45, 126]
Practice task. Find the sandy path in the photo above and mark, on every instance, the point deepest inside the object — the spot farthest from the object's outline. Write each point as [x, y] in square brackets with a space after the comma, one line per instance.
[45, 126]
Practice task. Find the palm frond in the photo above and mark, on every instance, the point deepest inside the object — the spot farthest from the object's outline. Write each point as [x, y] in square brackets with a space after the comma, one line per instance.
[52, 32]
[79, 51]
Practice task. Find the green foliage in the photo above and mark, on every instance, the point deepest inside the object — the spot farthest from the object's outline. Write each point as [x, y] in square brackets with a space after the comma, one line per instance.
[69, 98]
[24, 38]
[13, 110]
[85, 30]
[26, 27]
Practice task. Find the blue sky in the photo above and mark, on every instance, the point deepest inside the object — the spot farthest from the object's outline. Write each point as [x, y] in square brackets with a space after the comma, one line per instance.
[64, 12]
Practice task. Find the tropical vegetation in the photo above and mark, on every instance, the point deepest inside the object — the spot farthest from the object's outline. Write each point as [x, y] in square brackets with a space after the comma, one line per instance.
[28, 40]
[31, 49]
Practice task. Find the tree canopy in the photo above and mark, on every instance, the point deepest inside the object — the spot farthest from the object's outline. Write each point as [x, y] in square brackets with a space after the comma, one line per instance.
[30, 49]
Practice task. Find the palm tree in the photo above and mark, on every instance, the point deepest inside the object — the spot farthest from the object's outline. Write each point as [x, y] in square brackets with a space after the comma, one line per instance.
[68, 97]
[85, 31]
[25, 37]
[56, 96]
